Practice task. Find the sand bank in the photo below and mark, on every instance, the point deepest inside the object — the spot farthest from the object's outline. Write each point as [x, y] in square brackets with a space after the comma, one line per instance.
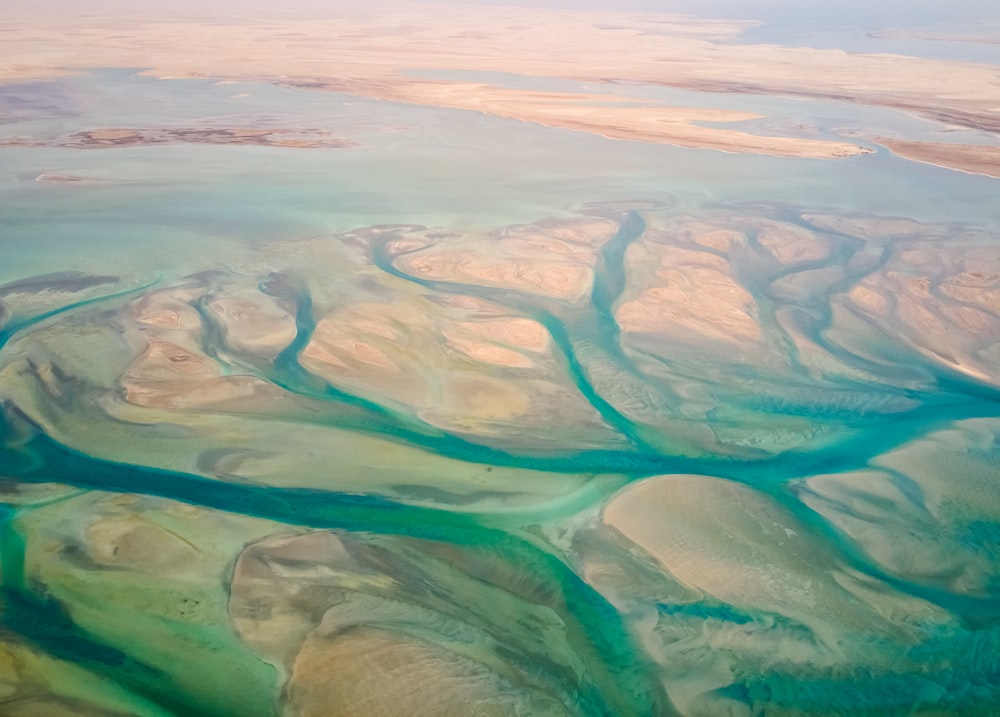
[381, 54]
[972, 158]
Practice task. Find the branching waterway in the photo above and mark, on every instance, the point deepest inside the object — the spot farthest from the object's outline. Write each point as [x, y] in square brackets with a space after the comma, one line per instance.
[646, 459]
[314, 405]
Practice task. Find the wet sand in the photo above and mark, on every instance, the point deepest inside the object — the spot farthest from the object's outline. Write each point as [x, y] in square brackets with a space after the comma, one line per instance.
[679, 455]
[656, 492]
[973, 158]
[105, 138]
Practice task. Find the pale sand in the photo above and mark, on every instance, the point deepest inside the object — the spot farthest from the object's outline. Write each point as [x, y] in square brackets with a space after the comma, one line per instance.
[869, 300]
[792, 245]
[373, 672]
[439, 361]
[723, 539]
[557, 280]
[481, 307]
[254, 323]
[591, 232]
[879, 228]
[550, 258]
[329, 343]
[608, 116]
[362, 347]
[392, 351]
[56, 178]
[972, 158]
[690, 290]
[871, 507]
[169, 309]
[488, 353]
[721, 239]
[105, 138]
[167, 375]
[172, 371]
[987, 296]
[137, 542]
[163, 360]
[943, 302]
[199, 393]
[469, 399]
[358, 347]
[523, 333]
[367, 50]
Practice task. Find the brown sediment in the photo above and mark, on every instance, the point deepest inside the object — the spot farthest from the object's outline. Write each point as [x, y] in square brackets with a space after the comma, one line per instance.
[720, 239]
[194, 393]
[688, 290]
[466, 302]
[345, 351]
[792, 245]
[943, 301]
[549, 258]
[868, 300]
[370, 671]
[609, 116]
[709, 534]
[254, 323]
[558, 280]
[105, 138]
[167, 375]
[169, 309]
[488, 353]
[972, 158]
[328, 339]
[164, 360]
[55, 178]
[171, 370]
[523, 333]
[589, 231]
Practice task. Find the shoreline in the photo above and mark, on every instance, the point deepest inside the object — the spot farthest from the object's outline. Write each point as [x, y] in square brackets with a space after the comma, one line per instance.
[360, 52]
[980, 159]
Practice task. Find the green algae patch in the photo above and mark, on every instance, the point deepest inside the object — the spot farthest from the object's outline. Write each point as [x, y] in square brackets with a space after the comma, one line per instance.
[147, 578]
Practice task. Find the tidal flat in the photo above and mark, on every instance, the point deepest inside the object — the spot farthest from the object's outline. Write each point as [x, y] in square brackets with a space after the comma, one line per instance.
[344, 375]
[657, 486]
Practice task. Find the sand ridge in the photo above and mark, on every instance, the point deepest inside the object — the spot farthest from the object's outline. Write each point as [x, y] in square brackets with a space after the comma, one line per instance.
[971, 158]
[381, 53]
[121, 137]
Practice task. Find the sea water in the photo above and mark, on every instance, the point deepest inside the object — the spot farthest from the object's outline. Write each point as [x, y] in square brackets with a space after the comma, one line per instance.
[804, 522]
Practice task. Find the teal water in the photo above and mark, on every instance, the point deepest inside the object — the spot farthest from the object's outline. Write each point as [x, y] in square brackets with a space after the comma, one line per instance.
[807, 472]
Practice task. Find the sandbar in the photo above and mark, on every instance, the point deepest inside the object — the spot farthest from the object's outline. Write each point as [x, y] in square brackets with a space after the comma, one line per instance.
[971, 158]
[385, 52]
[117, 137]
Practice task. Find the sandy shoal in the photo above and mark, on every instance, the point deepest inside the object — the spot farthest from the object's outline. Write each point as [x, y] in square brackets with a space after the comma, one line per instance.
[972, 158]
[379, 52]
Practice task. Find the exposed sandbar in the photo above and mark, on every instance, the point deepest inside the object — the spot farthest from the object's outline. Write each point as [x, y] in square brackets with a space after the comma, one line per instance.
[972, 158]
[106, 138]
[379, 54]
[686, 289]
[610, 116]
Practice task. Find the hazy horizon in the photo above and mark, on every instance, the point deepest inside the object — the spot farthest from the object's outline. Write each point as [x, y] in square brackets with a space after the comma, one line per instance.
[854, 13]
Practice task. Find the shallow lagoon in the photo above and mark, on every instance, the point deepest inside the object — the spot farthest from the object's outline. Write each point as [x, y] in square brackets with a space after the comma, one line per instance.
[698, 434]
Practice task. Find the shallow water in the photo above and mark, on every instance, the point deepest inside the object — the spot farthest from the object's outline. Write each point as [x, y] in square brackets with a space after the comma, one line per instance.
[486, 413]
[958, 41]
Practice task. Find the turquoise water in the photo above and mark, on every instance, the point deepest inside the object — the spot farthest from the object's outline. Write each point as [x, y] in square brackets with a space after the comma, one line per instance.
[269, 446]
